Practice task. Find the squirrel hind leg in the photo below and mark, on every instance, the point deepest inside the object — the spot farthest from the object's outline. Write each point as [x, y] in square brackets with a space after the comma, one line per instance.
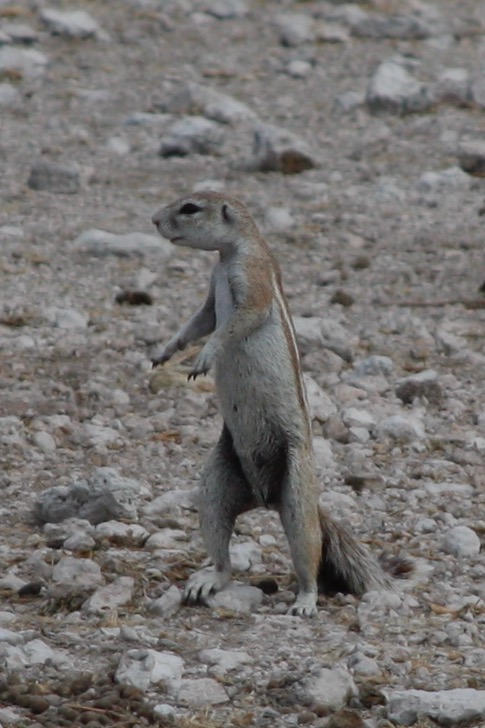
[300, 519]
[224, 494]
[346, 565]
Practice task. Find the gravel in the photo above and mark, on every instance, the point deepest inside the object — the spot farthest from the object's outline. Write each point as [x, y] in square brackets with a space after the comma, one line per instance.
[354, 133]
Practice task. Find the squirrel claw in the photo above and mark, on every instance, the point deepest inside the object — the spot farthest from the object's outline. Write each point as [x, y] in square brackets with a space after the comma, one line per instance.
[203, 362]
[202, 585]
[196, 373]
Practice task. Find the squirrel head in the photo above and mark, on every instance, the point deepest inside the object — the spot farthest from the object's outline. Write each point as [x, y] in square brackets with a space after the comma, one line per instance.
[207, 221]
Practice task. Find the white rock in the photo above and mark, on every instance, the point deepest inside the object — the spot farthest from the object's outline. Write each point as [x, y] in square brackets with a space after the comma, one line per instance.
[71, 24]
[165, 711]
[476, 657]
[387, 189]
[168, 538]
[451, 179]
[56, 177]
[67, 318]
[315, 332]
[105, 496]
[200, 692]
[77, 572]
[453, 86]
[338, 504]
[377, 606]
[461, 541]
[118, 145]
[226, 9]
[37, 652]
[144, 668]
[295, 28]
[10, 717]
[198, 99]
[7, 617]
[222, 661]
[331, 688]
[245, 555]
[278, 219]
[471, 156]
[425, 525]
[142, 118]
[372, 365]
[320, 404]
[206, 185]
[173, 502]
[79, 542]
[11, 637]
[44, 441]
[359, 434]
[363, 665]
[331, 32]
[168, 604]
[476, 441]
[438, 489]
[10, 582]
[57, 533]
[409, 27]
[9, 96]
[192, 135]
[10, 424]
[100, 435]
[349, 101]
[20, 33]
[278, 150]
[24, 342]
[394, 89]
[237, 598]
[26, 62]
[299, 68]
[33, 652]
[446, 707]
[356, 417]
[122, 534]
[12, 657]
[424, 384]
[324, 457]
[448, 340]
[11, 232]
[101, 243]
[400, 428]
[111, 596]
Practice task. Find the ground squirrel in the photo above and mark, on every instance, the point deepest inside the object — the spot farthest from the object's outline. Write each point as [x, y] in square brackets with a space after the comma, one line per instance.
[264, 457]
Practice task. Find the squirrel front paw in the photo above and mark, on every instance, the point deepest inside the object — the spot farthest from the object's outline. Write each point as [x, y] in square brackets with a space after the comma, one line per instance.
[170, 348]
[204, 361]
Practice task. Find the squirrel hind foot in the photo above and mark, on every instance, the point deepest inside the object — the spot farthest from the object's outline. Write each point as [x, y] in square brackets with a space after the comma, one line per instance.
[202, 585]
[305, 605]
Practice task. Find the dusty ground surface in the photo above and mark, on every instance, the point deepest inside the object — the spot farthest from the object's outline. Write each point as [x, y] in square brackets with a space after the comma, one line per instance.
[362, 238]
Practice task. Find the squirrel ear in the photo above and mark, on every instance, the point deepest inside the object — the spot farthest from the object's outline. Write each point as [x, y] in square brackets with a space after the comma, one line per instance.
[227, 213]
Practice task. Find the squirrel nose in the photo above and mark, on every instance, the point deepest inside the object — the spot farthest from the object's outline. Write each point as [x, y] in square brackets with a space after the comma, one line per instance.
[156, 219]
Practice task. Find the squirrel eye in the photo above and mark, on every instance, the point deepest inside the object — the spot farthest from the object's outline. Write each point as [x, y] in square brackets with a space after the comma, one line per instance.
[189, 209]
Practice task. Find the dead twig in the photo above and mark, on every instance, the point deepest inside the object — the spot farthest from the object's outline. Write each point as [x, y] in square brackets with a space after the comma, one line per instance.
[470, 303]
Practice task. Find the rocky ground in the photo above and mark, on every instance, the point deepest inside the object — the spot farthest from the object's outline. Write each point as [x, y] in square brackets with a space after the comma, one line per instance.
[354, 133]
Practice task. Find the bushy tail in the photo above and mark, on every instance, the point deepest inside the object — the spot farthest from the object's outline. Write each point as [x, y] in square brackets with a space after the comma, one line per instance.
[347, 566]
